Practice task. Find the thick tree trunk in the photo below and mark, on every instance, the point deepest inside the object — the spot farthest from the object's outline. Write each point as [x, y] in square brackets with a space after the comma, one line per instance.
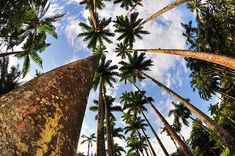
[44, 116]
[182, 145]
[108, 129]
[165, 9]
[150, 145]
[227, 61]
[224, 135]
[155, 134]
[100, 142]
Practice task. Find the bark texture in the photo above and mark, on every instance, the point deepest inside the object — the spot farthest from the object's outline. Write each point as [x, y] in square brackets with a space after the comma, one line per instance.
[226, 61]
[44, 116]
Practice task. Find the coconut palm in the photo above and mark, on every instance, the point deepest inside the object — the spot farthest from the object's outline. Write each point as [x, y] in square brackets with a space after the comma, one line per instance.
[135, 102]
[121, 50]
[129, 28]
[104, 75]
[131, 69]
[89, 140]
[98, 34]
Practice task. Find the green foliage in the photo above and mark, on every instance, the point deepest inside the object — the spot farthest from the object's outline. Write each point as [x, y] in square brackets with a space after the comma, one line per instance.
[128, 3]
[129, 28]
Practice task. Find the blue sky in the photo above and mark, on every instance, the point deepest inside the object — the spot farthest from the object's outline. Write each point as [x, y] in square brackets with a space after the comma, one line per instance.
[166, 32]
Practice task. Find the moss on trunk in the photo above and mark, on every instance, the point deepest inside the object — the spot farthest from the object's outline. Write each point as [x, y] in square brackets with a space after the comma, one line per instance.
[44, 116]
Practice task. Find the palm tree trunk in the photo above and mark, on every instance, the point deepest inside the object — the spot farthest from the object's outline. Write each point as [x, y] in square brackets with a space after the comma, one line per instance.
[108, 128]
[182, 145]
[165, 9]
[10, 53]
[227, 61]
[139, 135]
[100, 142]
[88, 149]
[91, 11]
[44, 116]
[224, 135]
[150, 145]
[226, 95]
[94, 2]
[155, 134]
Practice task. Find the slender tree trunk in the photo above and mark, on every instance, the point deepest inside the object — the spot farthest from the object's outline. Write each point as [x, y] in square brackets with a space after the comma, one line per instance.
[226, 95]
[227, 61]
[224, 135]
[139, 135]
[44, 116]
[150, 145]
[11, 53]
[94, 2]
[165, 9]
[91, 11]
[155, 134]
[100, 142]
[182, 145]
[108, 128]
[88, 149]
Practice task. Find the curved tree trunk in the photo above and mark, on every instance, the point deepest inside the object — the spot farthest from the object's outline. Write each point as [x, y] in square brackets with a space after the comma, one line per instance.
[182, 145]
[224, 135]
[165, 9]
[44, 116]
[227, 61]
[100, 142]
[155, 134]
[108, 128]
[150, 145]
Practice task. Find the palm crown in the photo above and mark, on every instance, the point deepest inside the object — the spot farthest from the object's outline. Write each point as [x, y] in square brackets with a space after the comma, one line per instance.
[128, 3]
[96, 35]
[131, 70]
[129, 28]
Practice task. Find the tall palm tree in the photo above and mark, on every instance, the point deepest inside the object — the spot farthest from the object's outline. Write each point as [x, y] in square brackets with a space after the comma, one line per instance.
[128, 3]
[52, 114]
[104, 75]
[131, 68]
[165, 9]
[135, 102]
[224, 60]
[89, 140]
[130, 71]
[129, 28]
[95, 35]
[118, 150]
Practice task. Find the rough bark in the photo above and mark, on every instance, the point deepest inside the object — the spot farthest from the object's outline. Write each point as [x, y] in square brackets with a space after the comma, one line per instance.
[165, 9]
[156, 136]
[226, 61]
[182, 145]
[100, 142]
[224, 135]
[44, 116]
[108, 129]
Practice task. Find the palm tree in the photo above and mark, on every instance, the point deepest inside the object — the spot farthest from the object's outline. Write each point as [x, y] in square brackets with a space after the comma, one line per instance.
[130, 71]
[129, 28]
[135, 100]
[104, 75]
[118, 150]
[95, 35]
[224, 60]
[136, 67]
[89, 140]
[165, 9]
[128, 3]
[52, 114]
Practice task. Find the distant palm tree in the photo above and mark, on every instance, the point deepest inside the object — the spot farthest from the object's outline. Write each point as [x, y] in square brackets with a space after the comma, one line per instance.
[95, 35]
[118, 150]
[89, 140]
[128, 3]
[130, 71]
[129, 28]
[104, 75]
